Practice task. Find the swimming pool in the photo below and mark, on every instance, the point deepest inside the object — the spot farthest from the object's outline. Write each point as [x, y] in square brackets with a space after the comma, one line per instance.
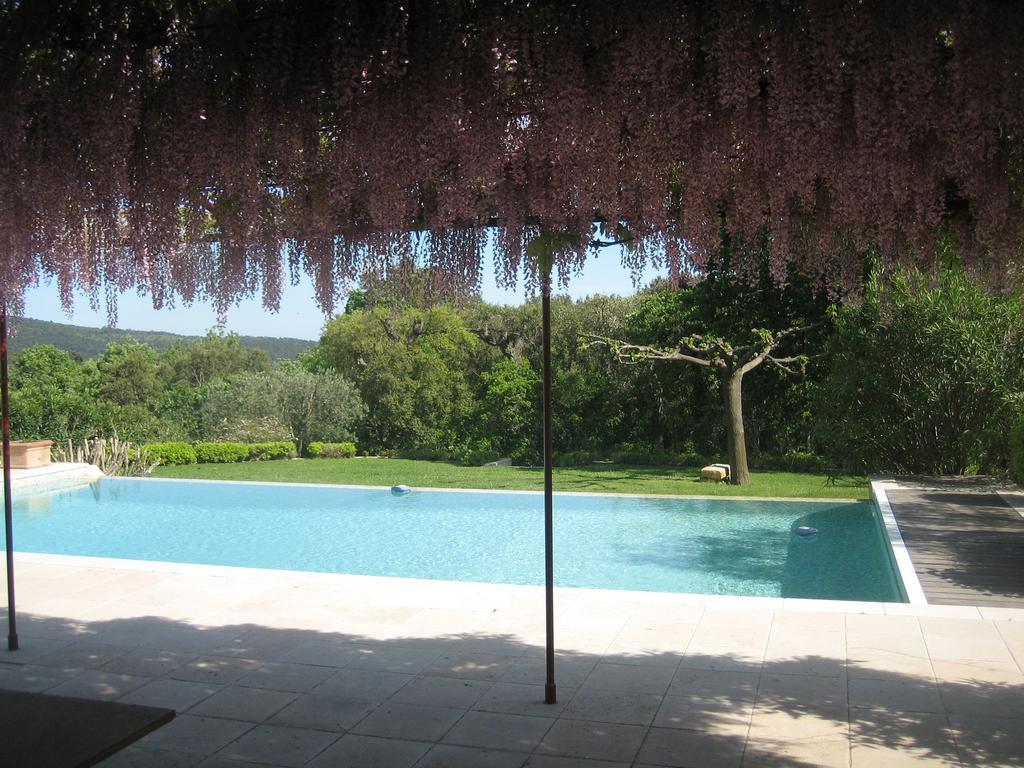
[709, 546]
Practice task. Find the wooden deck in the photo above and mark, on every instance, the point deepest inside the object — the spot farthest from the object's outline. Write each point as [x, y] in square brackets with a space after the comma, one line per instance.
[967, 548]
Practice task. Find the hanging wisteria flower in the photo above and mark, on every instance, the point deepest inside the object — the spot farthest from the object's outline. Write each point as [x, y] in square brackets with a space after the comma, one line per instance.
[191, 149]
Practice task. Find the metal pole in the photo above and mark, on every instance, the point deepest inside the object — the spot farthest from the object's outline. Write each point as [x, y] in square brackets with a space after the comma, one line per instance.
[549, 563]
[12, 622]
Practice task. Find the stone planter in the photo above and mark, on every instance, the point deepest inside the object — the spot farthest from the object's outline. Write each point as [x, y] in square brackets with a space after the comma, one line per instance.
[29, 454]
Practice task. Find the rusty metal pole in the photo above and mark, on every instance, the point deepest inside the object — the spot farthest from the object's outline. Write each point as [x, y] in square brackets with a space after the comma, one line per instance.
[549, 563]
[12, 621]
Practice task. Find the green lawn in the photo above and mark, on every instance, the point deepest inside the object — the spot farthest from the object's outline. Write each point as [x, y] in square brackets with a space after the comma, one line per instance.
[611, 478]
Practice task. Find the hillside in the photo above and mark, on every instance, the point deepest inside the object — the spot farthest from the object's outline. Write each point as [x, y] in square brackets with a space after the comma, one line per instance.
[91, 342]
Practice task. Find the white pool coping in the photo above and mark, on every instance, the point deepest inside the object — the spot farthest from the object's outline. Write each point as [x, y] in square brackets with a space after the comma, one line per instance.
[900, 553]
[54, 476]
[360, 584]
[430, 489]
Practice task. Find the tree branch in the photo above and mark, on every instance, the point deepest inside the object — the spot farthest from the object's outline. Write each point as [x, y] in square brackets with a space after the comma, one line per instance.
[388, 329]
[632, 354]
[755, 361]
[505, 341]
[796, 329]
[782, 363]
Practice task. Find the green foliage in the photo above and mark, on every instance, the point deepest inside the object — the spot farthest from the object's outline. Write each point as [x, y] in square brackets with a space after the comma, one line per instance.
[572, 459]
[177, 408]
[221, 453]
[414, 370]
[309, 406]
[742, 309]
[130, 422]
[509, 412]
[52, 396]
[1015, 449]
[170, 454]
[922, 377]
[173, 454]
[128, 374]
[790, 461]
[278, 449]
[479, 453]
[636, 456]
[318, 450]
[217, 356]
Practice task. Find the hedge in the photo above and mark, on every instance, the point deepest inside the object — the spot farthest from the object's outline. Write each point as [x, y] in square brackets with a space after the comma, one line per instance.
[331, 450]
[169, 454]
[280, 449]
[221, 453]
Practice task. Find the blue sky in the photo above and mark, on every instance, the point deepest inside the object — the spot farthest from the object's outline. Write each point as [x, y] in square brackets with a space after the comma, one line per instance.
[298, 316]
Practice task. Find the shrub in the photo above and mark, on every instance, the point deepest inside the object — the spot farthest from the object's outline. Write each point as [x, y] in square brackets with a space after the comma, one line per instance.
[112, 456]
[791, 461]
[480, 452]
[652, 458]
[634, 456]
[423, 454]
[1016, 451]
[689, 459]
[571, 459]
[922, 377]
[170, 454]
[278, 449]
[332, 450]
[221, 453]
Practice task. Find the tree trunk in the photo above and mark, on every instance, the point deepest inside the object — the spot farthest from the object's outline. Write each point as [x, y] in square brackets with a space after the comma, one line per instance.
[733, 381]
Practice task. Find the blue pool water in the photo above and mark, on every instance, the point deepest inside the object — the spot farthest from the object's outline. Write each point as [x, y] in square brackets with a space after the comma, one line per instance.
[709, 546]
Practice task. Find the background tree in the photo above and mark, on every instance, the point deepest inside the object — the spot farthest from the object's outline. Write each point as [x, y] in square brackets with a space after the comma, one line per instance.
[55, 397]
[923, 376]
[416, 370]
[218, 356]
[128, 374]
[595, 404]
[509, 410]
[308, 406]
[51, 395]
[729, 324]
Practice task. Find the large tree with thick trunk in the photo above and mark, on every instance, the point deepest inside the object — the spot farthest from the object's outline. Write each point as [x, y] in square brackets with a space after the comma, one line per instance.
[730, 362]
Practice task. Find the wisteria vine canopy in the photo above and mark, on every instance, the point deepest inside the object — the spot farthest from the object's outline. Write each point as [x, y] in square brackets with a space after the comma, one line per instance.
[205, 148]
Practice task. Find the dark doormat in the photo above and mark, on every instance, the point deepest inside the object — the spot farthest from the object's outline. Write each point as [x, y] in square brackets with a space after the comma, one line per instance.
[44, 731]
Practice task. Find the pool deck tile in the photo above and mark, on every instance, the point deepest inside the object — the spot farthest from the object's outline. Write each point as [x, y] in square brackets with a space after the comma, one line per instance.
[446, 756]
[371, 752]
[644, 679]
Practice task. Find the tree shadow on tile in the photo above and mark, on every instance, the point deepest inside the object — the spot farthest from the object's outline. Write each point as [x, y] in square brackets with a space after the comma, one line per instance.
[985, 716]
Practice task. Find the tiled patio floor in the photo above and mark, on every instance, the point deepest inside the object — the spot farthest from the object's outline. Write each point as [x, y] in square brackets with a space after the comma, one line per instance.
[291, 669]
